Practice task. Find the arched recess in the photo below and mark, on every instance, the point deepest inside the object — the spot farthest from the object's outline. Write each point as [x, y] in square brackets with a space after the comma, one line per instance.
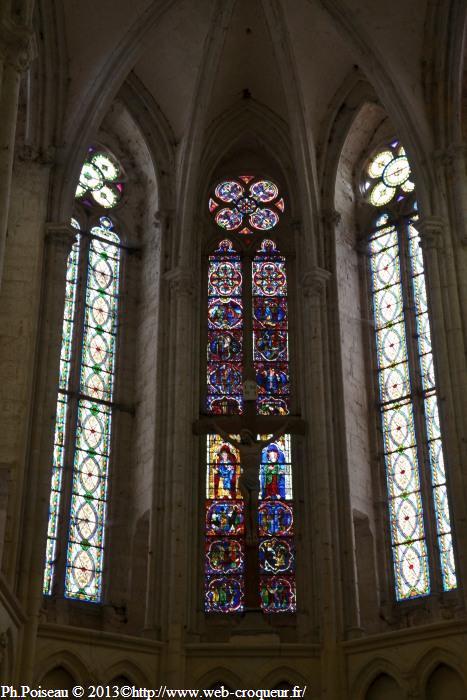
[384, 687]
[444, 682]
[443, 658]
[249, 125]
[379, 668]
[58, 677]
[360, 122]
[281, 678]
[219, 676]
[69, 663]
[126, 672]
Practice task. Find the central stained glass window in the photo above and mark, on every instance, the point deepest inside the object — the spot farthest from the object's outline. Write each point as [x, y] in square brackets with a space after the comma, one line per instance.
[411, 434]
[248, 336]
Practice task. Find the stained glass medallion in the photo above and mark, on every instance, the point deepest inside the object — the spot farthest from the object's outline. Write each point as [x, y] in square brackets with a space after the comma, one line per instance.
[399, 303]
[225, 331]
[270, 330]
[224, 551]
[246, 197]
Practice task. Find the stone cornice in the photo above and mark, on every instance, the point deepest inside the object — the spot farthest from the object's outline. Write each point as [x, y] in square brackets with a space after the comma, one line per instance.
[17, 45]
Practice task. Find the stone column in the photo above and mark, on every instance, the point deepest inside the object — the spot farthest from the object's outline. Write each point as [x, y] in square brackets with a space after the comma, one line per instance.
[320, 480]
[444, 290]
[17, 49]
[59, 240]
[180, 475]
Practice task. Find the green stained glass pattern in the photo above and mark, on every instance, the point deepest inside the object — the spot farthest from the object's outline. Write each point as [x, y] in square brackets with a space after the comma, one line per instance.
[409, 549]
[61, 415]
[83, 577]
[435, 447]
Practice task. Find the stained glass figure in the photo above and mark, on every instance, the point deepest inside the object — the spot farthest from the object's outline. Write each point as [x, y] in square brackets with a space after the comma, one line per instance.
[404, 442]
[275, 528]
[270, 330]
[246, 197]
[224, 563]
[100, 180]
[225, 331]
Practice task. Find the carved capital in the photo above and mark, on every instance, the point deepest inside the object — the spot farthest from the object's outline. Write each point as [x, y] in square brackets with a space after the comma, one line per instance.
[180, 281]
[331, 217]
[17, 45]
[449, 155]
[431, 229]
[314, 281]
[162, 218]
[60, 235]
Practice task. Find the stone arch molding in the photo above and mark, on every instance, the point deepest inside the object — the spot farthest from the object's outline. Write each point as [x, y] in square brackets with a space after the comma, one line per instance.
[282, 674]
[70, 661]
[220, 674]
[439, 656]
[129, 670]
[371, 672]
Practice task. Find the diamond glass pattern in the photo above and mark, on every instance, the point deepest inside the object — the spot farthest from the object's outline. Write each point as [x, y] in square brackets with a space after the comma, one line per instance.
[438, 478]
[85, 549]
[402, 468]
[61, 414]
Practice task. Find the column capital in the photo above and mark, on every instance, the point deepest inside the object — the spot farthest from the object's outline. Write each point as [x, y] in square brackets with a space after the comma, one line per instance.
[448, 155]
[431, 230]
[180, 281]
[331, 217]
[60, 234]
[18, 46]
[314, 281]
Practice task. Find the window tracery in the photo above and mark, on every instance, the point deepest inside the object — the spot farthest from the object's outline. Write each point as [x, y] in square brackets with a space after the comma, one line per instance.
[83, 426]
[408, 403]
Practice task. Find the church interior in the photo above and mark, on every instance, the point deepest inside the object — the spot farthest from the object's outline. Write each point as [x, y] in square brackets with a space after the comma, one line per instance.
[233, 335]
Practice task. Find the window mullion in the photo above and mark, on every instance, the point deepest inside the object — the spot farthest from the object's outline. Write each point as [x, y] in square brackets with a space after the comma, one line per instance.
[417, 394]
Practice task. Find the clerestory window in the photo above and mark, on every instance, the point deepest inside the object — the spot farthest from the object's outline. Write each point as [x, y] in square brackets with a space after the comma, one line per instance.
[85, 401]
[411, 438]
[249, 544]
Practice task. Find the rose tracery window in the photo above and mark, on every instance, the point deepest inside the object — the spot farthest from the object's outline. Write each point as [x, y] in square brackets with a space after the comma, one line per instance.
[83, 427]
[411, 435]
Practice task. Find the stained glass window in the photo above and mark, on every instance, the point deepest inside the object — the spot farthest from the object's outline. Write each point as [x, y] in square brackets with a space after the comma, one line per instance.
[246, 204]
[225, 334]
[225, 559]
[270, 341]
[100, 180]
[225, 547]
[83, 424]
[275, 528]
[401, 313]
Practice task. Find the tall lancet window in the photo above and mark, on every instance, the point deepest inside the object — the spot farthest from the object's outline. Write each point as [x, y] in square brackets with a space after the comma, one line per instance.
[249, 547]
[419, 513]
[83, 427]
